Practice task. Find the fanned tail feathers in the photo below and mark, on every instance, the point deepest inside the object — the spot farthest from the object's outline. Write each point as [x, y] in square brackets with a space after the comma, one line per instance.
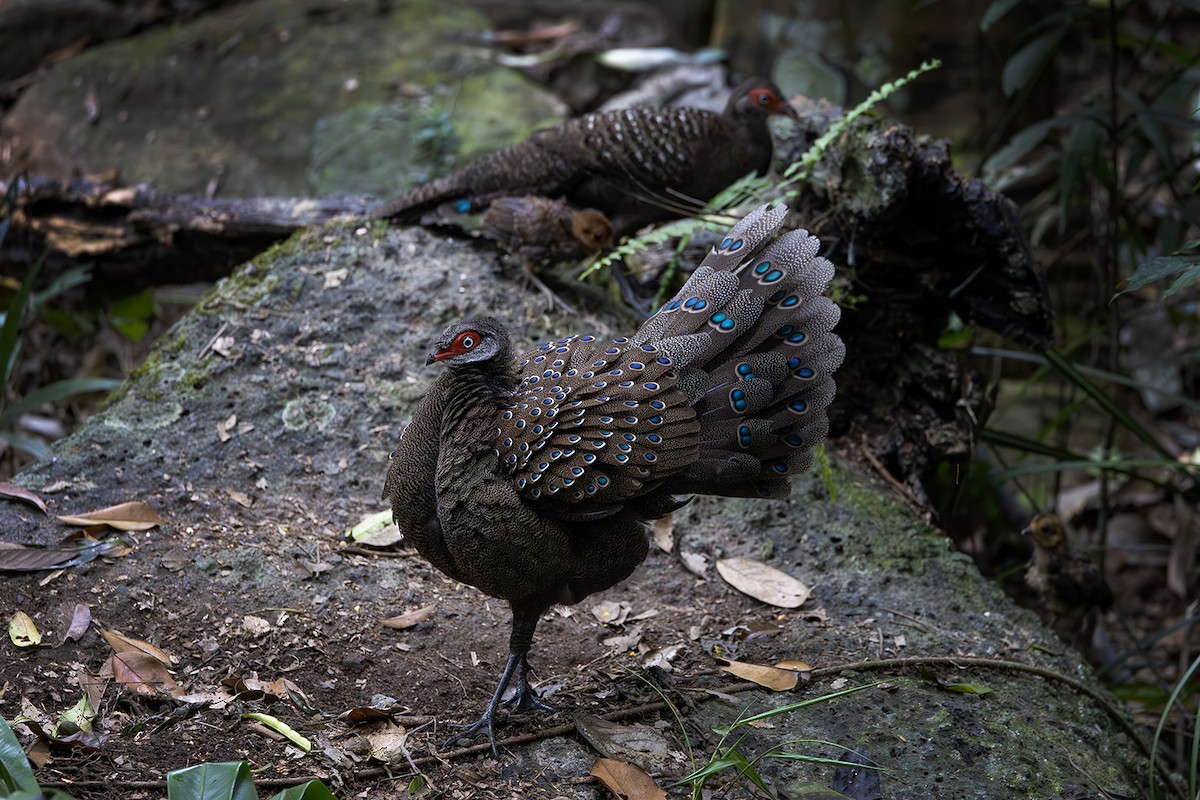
[752, 337]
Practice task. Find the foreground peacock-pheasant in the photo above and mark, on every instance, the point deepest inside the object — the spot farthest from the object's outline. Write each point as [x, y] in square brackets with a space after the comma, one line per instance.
[530, 478]
[636, 165]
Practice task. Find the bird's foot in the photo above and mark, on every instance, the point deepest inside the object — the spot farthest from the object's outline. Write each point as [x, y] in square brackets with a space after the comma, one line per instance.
[484, 725]
[553, 301]
[526, 698]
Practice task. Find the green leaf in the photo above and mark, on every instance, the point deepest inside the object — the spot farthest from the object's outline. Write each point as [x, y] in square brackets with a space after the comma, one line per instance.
[1021, 143]
[1149, 124]
[1104, 401]
[774, 712]
[59, 390]
[67, 280]
[12, 320]
[1021, 69]
[966, 688]
[279, 726]
[1183, 281]
[1081, 152]
[15, 772]
[995, 11]
[313, 790]
[1148, 695]
[36, 449]
[131, 315]
[1157, 269]
[226, 780]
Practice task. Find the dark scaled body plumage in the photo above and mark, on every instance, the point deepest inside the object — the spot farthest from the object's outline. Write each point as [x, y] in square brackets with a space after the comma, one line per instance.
[1069, 584]
[530, 477]
[636, 165]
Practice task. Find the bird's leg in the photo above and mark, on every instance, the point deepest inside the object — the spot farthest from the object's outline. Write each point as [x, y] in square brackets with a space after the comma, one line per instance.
[552, 298]
[486, 723]
[524, 623]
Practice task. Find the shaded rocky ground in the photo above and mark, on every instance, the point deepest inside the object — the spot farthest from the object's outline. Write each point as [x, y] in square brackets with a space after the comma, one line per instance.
[309, 360]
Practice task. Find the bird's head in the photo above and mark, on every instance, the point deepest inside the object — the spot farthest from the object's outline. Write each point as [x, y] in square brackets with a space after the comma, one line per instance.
[472, 341]
[592, 229]
[1046, 531]
[759, 96]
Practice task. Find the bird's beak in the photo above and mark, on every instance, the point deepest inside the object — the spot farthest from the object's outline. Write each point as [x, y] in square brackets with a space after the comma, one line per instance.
[1026, 532]
[432, 357]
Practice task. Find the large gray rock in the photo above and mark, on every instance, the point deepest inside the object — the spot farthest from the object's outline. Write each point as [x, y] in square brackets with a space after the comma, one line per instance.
[274, 97]
[317, 349]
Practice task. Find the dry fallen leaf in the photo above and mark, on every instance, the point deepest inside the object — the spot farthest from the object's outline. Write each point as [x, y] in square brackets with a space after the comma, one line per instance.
[142, 673]
[223, 346]
[74, 621]
[696, 563]
[631, 743]
[120, 643]
[389, 743]
[763, 583]
[132, 516]
[664, 533]
[241, 498]
[658, 657]
[223, 427]
[20, 493]
[610, 612]
[334, 277]
[22, 631]
[773, 678]
[410, 618]
[23, 558]
[626, 641]
[626, 781]
[794, 664]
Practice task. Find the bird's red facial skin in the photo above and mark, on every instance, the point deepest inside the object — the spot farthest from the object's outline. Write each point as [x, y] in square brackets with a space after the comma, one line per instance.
[767, 99]
[465, 342]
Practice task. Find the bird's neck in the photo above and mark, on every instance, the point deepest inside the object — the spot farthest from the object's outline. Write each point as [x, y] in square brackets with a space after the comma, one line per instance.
[470, 400]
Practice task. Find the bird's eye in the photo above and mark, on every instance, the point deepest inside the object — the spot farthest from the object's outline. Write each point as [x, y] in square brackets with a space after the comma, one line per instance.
[467, 340]
[764, 98]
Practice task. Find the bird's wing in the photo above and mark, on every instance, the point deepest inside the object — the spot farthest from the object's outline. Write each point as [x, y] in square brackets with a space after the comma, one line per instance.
[595, 423]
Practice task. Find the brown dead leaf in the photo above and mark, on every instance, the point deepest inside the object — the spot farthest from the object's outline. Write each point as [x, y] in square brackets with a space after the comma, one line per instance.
[632, 743]
[142, 673]
[627, 641]
[773, 678]
[223, 427]
[696, 563]
[626, 781]
[610, 612]
[241, 498]
[794, 664]
[132, 516]
[93, 686]
[223, 346]
[74, 621]
[763, 583]
[20, 493]
[251, 687]
[389, 744]
[23, 558]
[120, 643]
[410, 618]
[658, 656]
[664, 533]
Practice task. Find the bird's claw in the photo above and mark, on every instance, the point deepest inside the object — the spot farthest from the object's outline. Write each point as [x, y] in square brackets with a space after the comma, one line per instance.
[526, 699]
[484, 724]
